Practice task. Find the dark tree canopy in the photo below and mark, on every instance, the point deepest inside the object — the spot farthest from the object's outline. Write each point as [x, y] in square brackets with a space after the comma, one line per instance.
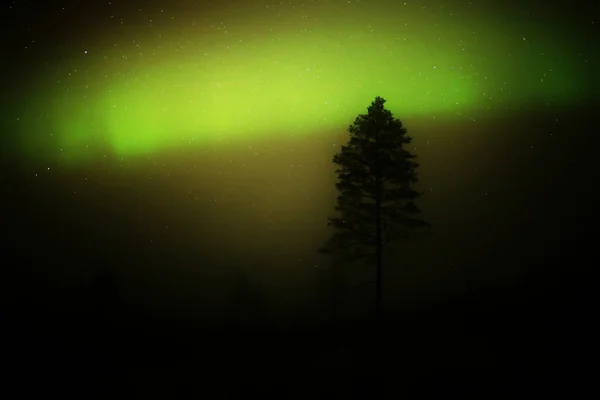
[376, 202]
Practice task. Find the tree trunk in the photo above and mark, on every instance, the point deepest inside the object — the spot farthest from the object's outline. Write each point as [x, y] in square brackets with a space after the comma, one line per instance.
[378, 258]
[378, 239]
[335, 291]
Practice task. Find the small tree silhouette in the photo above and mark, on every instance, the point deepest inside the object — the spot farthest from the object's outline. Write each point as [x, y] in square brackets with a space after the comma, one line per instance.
[375, 201]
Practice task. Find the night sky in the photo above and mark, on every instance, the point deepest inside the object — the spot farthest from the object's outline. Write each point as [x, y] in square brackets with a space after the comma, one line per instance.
[184, 144]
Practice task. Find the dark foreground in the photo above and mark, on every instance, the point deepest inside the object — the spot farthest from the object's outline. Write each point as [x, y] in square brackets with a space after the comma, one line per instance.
[484, 342]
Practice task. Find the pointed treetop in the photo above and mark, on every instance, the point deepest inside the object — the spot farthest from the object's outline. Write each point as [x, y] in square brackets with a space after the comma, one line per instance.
[377, 105]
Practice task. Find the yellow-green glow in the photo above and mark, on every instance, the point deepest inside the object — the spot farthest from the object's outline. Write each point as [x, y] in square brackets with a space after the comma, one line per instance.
[270, 75]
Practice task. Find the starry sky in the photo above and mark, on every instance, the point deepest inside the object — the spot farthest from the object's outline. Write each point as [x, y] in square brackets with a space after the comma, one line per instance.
[194, 138]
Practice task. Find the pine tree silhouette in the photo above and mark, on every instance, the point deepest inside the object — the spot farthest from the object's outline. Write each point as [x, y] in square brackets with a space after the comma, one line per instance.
[376, 202]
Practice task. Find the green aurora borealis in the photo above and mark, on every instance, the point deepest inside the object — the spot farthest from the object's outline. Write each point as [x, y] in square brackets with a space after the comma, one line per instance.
[167, 81]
